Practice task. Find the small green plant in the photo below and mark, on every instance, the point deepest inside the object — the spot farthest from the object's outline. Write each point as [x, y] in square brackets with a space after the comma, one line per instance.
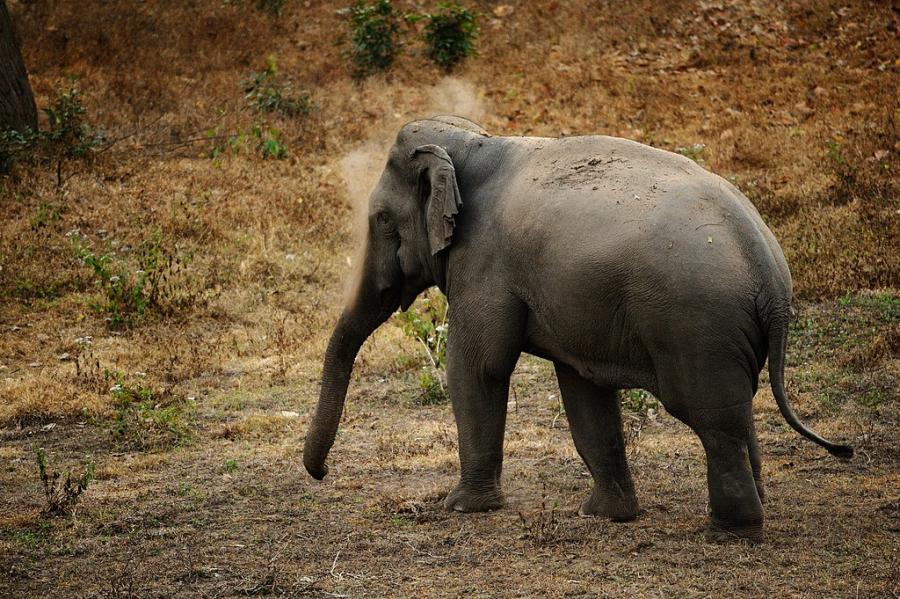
[270, 143]
[374, 37]
[273, 7]
[426, 322]
[68, 131]
[61, 494]
[230, 466]
[433, 392]
[69, 136]
[128, 295]
[542, 526]
[450, 34]
[14, 145]
[44, 214]
[266, 140]
[266, 93]
[142, 418]
[638, 401]
[694, 152]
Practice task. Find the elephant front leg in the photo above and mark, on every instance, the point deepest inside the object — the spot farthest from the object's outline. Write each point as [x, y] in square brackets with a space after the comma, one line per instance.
[596, 424]
[480, 359]
[479, 406]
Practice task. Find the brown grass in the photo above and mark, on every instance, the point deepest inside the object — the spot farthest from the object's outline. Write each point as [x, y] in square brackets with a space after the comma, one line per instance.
[794, 103]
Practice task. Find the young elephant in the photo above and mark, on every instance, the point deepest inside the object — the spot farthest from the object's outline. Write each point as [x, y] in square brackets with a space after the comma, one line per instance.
[624, 265]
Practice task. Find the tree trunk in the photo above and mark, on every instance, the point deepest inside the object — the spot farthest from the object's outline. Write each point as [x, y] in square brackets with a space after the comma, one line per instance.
[17, 108]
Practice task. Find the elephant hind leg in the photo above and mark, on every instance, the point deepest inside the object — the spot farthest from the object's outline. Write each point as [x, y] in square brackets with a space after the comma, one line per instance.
[736, 509]
[755, 460]
[596, 425]
[715, 401]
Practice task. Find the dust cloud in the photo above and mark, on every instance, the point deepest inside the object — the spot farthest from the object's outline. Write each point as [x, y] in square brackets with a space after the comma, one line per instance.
[361, 167]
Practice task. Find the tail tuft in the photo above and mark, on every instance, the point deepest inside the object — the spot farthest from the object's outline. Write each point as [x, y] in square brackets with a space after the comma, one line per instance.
[844, 452]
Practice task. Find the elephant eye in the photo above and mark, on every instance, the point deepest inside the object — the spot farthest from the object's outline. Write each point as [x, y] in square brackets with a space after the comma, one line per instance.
[385, 225]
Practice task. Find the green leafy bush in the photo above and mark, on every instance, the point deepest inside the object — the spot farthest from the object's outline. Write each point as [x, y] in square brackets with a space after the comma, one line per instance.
[374, 44]
[432, 388]
[14, 145]
[69, 136]
[68, 131]
[638, 401]
[144, 419]
[265, 140]
[695, 152]
[266, 93]
[127, 296]
[426, 322]
[450, 34]
[270, 143]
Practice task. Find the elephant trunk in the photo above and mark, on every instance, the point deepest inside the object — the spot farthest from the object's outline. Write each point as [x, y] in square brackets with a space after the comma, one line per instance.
[354, 327]
[339, 357]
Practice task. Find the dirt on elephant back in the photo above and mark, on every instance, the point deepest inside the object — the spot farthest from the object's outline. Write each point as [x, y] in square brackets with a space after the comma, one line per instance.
[189, 408]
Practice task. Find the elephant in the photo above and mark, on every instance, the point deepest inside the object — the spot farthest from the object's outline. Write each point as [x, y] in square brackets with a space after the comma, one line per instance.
[624, 265]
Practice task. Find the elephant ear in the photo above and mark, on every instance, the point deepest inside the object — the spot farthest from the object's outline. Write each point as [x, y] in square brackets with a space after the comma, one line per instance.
[443, 201]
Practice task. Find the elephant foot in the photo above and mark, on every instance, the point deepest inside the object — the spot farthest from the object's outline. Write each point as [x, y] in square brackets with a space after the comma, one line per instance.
[717, 532]
[619, 507]
[464, 499]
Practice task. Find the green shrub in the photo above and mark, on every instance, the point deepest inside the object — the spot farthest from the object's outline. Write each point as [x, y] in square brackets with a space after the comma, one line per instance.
[694, 152]
[432, 389]
[265, 140]
[374, 30]
[142, 418]
[638, 401]
[14, 146]
[269, 143]
[426, 322]
[450, 34]
[266, 93]
[68, 136]
[68, 132]
[127, 296]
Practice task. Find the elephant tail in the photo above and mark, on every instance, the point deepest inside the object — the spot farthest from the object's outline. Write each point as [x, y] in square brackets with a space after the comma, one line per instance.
[778, 331]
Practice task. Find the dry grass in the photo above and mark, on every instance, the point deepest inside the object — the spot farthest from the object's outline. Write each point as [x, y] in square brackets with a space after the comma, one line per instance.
[797, 105]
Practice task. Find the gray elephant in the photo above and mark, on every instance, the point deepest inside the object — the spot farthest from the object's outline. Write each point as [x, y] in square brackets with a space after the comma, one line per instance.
[626, 266]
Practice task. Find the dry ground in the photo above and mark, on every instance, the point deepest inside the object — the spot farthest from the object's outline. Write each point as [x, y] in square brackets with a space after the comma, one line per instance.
[199, 490]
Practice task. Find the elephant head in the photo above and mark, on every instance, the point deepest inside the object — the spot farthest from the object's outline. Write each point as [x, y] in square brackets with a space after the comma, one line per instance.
[410, 223]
